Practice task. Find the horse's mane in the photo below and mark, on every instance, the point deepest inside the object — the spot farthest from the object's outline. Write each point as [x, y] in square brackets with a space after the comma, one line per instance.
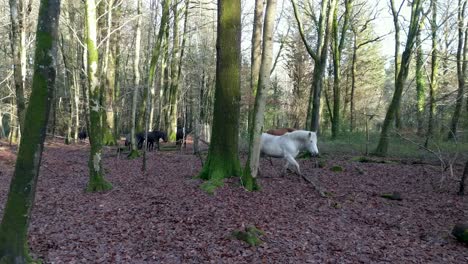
[299, 134]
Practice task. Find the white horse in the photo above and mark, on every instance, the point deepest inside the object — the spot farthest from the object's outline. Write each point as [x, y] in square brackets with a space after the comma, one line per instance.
[288, 146]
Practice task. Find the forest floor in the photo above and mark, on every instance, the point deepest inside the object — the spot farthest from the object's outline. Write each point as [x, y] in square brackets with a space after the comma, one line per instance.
[164, 217]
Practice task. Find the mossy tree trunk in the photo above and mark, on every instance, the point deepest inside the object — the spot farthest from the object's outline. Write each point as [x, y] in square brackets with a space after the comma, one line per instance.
[433, 83]
[136, 83]
[461, 68]
[162, 33]
[396, 24]
[75, 60]
[18, 14]
[382, 147]
[264, 84]
[65, 42]
[319, 55]
[255, 56]
[420, 84]
[353, 82]
[97, 182]
[174, 86]
[108, 75]
[14, 226]
[223, 157]
[337, 46]
[461, 190]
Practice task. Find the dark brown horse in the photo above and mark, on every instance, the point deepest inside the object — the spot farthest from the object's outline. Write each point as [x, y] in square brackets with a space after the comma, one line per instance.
[280, 131]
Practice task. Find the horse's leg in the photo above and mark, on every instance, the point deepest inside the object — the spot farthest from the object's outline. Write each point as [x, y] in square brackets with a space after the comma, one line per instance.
[291, 160]
[285, 168]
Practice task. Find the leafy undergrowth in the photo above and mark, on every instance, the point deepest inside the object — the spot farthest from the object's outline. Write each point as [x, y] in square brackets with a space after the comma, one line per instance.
[164, 217]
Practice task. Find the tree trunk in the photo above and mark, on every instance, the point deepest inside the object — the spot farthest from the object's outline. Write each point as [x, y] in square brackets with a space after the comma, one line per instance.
[353, 85]
[396, 24]
[255, 56]
[108, 75]
[158, 49]
[96, 172]
[68, 87]
[264, 84]
[382, 147]
[14, 226]
[461, 68]
[337, 49]
[173, 90]
[433, 84]
[420, 84]
[136, 83]
[461, 191]
[319, 56]
[223, 159]
[18, 48]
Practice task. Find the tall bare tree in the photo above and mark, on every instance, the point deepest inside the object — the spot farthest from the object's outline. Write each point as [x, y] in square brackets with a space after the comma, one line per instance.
[19, 10]
[461, 67]
[433, 83]
[97, 182]
[403, 71]
[136, 84]
[338, 41]
[16, 216]
[223, 157]
[319, 55]
[264, 83]
[255, 55]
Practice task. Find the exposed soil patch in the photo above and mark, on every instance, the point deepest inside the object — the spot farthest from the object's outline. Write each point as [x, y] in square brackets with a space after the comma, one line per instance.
[163, 217]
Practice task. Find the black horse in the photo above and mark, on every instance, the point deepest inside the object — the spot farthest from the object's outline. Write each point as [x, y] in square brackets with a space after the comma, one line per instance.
[153, 136]
[181, 136]
[82, 135]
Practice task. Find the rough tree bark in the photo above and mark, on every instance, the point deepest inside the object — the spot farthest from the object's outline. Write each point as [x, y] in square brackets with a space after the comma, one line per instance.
[14, 226]
[420, 83]
[382, 147]
[461, 190]
[461, 67]
[108, 75]
[173, 89]
[136, 84]
[337, 46]
[18, 14]
[433, 83]
[255, 55]
[319, 56]
[157, 50]
[223, 158]
[96, 172]
[264, 84]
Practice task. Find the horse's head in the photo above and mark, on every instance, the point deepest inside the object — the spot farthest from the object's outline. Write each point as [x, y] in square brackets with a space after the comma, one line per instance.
[312, 143]
[164, 136]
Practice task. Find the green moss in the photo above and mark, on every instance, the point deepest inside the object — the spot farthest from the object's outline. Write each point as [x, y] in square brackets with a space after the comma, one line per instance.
[108, 138]
[249, 182]
[97, 183]
[460, 231]
[210, 186]
[364, 159]
[304, 155]
[251, 235]
[133, 154]
[321, 164]
[336, 168]
[172, 136]
[392, 196]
